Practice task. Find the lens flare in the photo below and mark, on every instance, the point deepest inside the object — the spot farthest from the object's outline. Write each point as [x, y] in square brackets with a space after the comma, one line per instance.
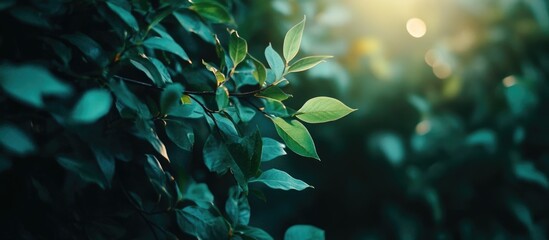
[416, 27]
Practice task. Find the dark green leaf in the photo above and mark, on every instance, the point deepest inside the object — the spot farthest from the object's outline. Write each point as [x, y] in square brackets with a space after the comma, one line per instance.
[125, 15]
[304, 232]
[238, 48]
[253, 233]
[307, 63]
[277, 179]
[144, 64]
[292, 41]
[274, 92]
[202, 223]
[7, 4]
[200, 194]
[271, 149]
[89, 47]
[144, 129]
[61, 50]
[166, 44]
[106, 164]
[528, 172]
[246, 152]
[93, 105]
[222, 97]
[87, 170]
[212, 11]
[5, 163]
[127, 98]
[15, 140]
[237, 207]
[192, 23]
[181, 134]
[322, 109]
[164, 73]
[28, 83]
[296, 137]
[275, 62]
[219, 159]
[245, 113]
[170, 98]
[156, 174]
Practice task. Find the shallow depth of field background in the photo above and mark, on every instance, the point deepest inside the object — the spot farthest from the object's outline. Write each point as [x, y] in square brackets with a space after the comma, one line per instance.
[451, 138]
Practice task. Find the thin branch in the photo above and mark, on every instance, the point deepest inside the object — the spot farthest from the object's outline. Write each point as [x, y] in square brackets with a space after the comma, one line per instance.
[190, 92]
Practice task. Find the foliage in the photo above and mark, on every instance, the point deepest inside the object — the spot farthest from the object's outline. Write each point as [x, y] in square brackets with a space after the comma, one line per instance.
[108, 107]
[429, 156]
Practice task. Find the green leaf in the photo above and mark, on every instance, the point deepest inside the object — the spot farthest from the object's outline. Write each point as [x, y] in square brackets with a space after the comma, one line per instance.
[93, 105]
[125, 15]
[168, 45]
[180, 133]
[192, 23]
[219, 77]
[202, 223]
[292, 40]
[272, 149]
[5, 163]
[170, 97]
[212, 11]
[238, 48]
[222, 97]
[144, 64]
[307, 63]
[144, 129]
[237, 207]
[244, 112]
[304, 232]
[7, 4]
[219, 159]
[126, 98]
[277, 179]
[246, 152]
[275, 62]
[260, 72]
[253, 233]
[87, 170]
[296, 137]
[200, 194]
[275, 107]
[527, 171]
[274, 92]
[15, 140]
[89, 47]
[61, 50]
[28, 83]
[156, 174]
[106, 163]
[322, 109]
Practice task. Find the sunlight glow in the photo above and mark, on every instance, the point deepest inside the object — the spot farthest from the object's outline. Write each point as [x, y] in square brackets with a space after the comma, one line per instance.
[416, 27]
[423, 127]
[509, 81]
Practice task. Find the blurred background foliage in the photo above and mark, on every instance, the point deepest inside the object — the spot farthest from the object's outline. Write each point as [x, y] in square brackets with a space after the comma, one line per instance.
[451, 138]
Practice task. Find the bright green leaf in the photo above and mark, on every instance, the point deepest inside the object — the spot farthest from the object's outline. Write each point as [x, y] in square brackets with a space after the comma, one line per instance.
[168, 45]
[275, 62]
[125, 15]
[15, 140]
[272, 149]
[304, 232]
[296, 137]
[277, 179]
[322, 109]
[307, 63]
[170, 97]
[222, 97]
[238, 48]
[292, 41]
[93, 105]
[30, 83]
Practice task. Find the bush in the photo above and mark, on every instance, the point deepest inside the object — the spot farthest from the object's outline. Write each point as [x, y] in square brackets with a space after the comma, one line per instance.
[109, 106]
